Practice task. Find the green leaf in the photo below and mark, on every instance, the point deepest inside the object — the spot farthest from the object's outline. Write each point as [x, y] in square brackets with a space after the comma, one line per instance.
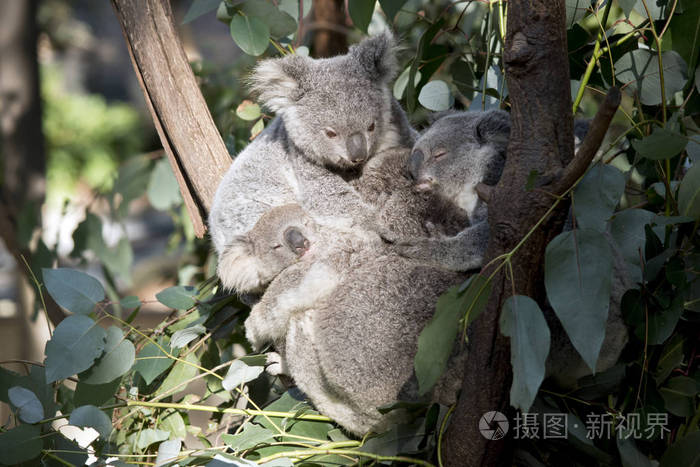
[577, 275]
[248, 110]
[402, 81]
[280, 23]
[523, 321]
[575, 11]
[149, 436]
[75, 345]
[73, 290]
[630, 455]
[689, 193]
[627, 6]
[89, 415]
[168, 451]
[436, 95]
[391, 8]
[180, 297]
[240, 373]
[199, 8]
[117, 359]
[131, 183]
[423, 46]
[95, 394]
[597, 195]
[28, 405]
[683, 452]
[437, 340]
[69, 451]
[250, 34]
[257, 128]
[251, 436]
[180, 373]
[130, 302]
[660, 144]
[671, 357]
[20, 444]
[639, 68]
[163, 189]
[627, 229]
[172, 421]
[152, 361]
[403, 438]
[361, 13]
[679, 394]
[184, 336]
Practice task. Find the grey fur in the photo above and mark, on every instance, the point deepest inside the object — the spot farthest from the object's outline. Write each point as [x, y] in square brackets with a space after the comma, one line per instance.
[472, 149]
[332, 116]
[346, 317]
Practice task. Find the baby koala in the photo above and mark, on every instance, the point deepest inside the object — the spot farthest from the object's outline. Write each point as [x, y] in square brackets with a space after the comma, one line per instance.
[345, 315]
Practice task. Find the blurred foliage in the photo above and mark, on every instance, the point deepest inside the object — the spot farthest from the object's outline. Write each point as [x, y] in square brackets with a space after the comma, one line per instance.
[132, 384]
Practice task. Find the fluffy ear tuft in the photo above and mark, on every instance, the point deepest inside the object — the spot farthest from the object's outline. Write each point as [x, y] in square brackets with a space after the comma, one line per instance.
[278, 82]
[377, 57]
[494, 128]
[238, 267]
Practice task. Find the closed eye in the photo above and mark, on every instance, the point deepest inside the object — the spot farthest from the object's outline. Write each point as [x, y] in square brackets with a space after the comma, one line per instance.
[439, 154]
[330, 133]
[277, 247]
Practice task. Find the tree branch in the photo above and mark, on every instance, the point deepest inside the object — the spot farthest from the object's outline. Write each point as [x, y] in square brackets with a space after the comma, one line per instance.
[186, 129]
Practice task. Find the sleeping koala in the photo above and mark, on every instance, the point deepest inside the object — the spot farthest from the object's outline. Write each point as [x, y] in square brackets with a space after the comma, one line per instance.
[333, 115]
[345, 315]
[455, 154]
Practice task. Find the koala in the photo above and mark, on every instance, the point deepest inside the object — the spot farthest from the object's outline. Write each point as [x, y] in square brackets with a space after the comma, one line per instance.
[333, 115]
[345, 315]
[463, 149]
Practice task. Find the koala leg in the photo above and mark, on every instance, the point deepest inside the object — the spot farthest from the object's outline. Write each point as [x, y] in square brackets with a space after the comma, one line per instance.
[461, 252]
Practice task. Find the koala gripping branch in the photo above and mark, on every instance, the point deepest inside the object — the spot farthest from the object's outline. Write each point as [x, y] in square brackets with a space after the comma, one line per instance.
[187, 132]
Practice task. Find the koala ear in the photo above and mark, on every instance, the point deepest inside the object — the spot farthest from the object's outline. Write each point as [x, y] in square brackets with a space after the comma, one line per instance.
[278, 82]
[494, 128]
[376, 57]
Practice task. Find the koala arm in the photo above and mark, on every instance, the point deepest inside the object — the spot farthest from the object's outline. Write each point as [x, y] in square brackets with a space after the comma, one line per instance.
[461, 252]
[296, 289]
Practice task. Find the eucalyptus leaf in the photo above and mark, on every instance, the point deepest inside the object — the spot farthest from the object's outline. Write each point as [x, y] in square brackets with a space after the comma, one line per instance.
[437, 340]
[77, 341]
[575, 11]
[151, 361]
[279, 22]
[184, 336]
[145, 438]
[73, 290]
[660, 144]
[240, 373]
[523, 321]
[95, 394]
[181, 372]
[250, 33]
[163, 189]
[168, 451]
[180, 297]
[130, 302]
[436, 95]
[251, 436]
[597, 195]
[679, 394]
[402, 81]
[199, 8]
[627, 229]
[248, 110]
[391, 7]
[91, 416]
[20, 444]
[639, 69]
[28, 405]
[630, 455]
[689, 193]
[118, 358]
[361, 13]
[683, 452]
[578, 269]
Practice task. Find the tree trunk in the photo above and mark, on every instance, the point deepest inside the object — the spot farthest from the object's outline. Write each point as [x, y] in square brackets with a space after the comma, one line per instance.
[187, 131]
[541, 140]
[330, 32]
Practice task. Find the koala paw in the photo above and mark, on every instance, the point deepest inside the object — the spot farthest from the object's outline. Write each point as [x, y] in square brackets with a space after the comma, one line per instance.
[275, 364]
[417, 248]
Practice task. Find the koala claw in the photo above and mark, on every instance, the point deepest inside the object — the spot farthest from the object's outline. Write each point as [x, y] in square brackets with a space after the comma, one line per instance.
[275, 364]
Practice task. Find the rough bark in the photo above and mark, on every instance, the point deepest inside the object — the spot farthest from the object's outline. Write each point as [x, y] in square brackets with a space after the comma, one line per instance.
[186, 129]
[537, 72]
[330, 36]
[21, 136]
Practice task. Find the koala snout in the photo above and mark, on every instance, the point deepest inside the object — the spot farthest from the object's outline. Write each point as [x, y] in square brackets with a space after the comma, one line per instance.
[414, 163]
[424, 184]
[296, 241]
[357, 147]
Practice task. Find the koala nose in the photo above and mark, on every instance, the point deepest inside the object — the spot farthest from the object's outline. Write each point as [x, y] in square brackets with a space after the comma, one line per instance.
[296, 241]
[357, 147]
[414, 163]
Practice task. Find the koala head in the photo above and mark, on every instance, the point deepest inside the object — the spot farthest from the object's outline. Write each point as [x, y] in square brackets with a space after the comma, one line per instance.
[336, 111]
[457, 152]
[279, 239]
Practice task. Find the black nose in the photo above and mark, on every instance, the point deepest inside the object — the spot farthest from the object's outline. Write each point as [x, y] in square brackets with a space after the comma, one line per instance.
[296, 240]
[357, 147]
[414, 163]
